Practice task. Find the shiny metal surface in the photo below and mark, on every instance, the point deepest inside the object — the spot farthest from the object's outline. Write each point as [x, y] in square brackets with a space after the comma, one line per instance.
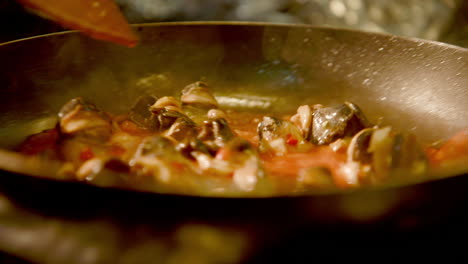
[410, 84]
[414, 84]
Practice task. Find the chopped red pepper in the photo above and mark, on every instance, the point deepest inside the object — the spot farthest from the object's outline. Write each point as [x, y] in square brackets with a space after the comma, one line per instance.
[290, 140]
[86, 154]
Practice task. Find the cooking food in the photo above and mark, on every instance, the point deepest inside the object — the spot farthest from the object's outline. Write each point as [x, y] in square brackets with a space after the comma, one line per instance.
[191, 145]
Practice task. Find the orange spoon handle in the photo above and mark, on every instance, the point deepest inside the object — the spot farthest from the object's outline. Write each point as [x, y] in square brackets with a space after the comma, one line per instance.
[100, 19]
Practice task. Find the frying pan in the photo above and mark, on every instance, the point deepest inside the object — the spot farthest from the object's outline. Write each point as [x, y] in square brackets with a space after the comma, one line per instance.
[412, 84]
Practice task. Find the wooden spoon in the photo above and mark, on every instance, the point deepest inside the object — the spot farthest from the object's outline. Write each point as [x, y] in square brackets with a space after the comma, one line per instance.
[100, 19]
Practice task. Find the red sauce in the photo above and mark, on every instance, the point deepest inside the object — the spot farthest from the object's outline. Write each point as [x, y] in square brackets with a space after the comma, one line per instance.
[86, 154]
[133, 129]
[456, 148]
[281, 167]
[116, 150]
[290, 164]
[40, 142]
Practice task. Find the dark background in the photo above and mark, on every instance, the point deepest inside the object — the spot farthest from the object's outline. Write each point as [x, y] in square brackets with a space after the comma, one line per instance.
[15, 23]
[441, 20]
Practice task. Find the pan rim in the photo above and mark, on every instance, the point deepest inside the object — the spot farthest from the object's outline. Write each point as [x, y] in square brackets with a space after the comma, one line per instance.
[256, 24]
[252, 24]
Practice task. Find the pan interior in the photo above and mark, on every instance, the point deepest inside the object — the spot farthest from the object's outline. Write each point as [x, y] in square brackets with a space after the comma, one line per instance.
[413, 85]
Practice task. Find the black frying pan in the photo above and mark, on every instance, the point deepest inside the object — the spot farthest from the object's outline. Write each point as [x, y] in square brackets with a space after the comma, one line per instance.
[414, 84]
